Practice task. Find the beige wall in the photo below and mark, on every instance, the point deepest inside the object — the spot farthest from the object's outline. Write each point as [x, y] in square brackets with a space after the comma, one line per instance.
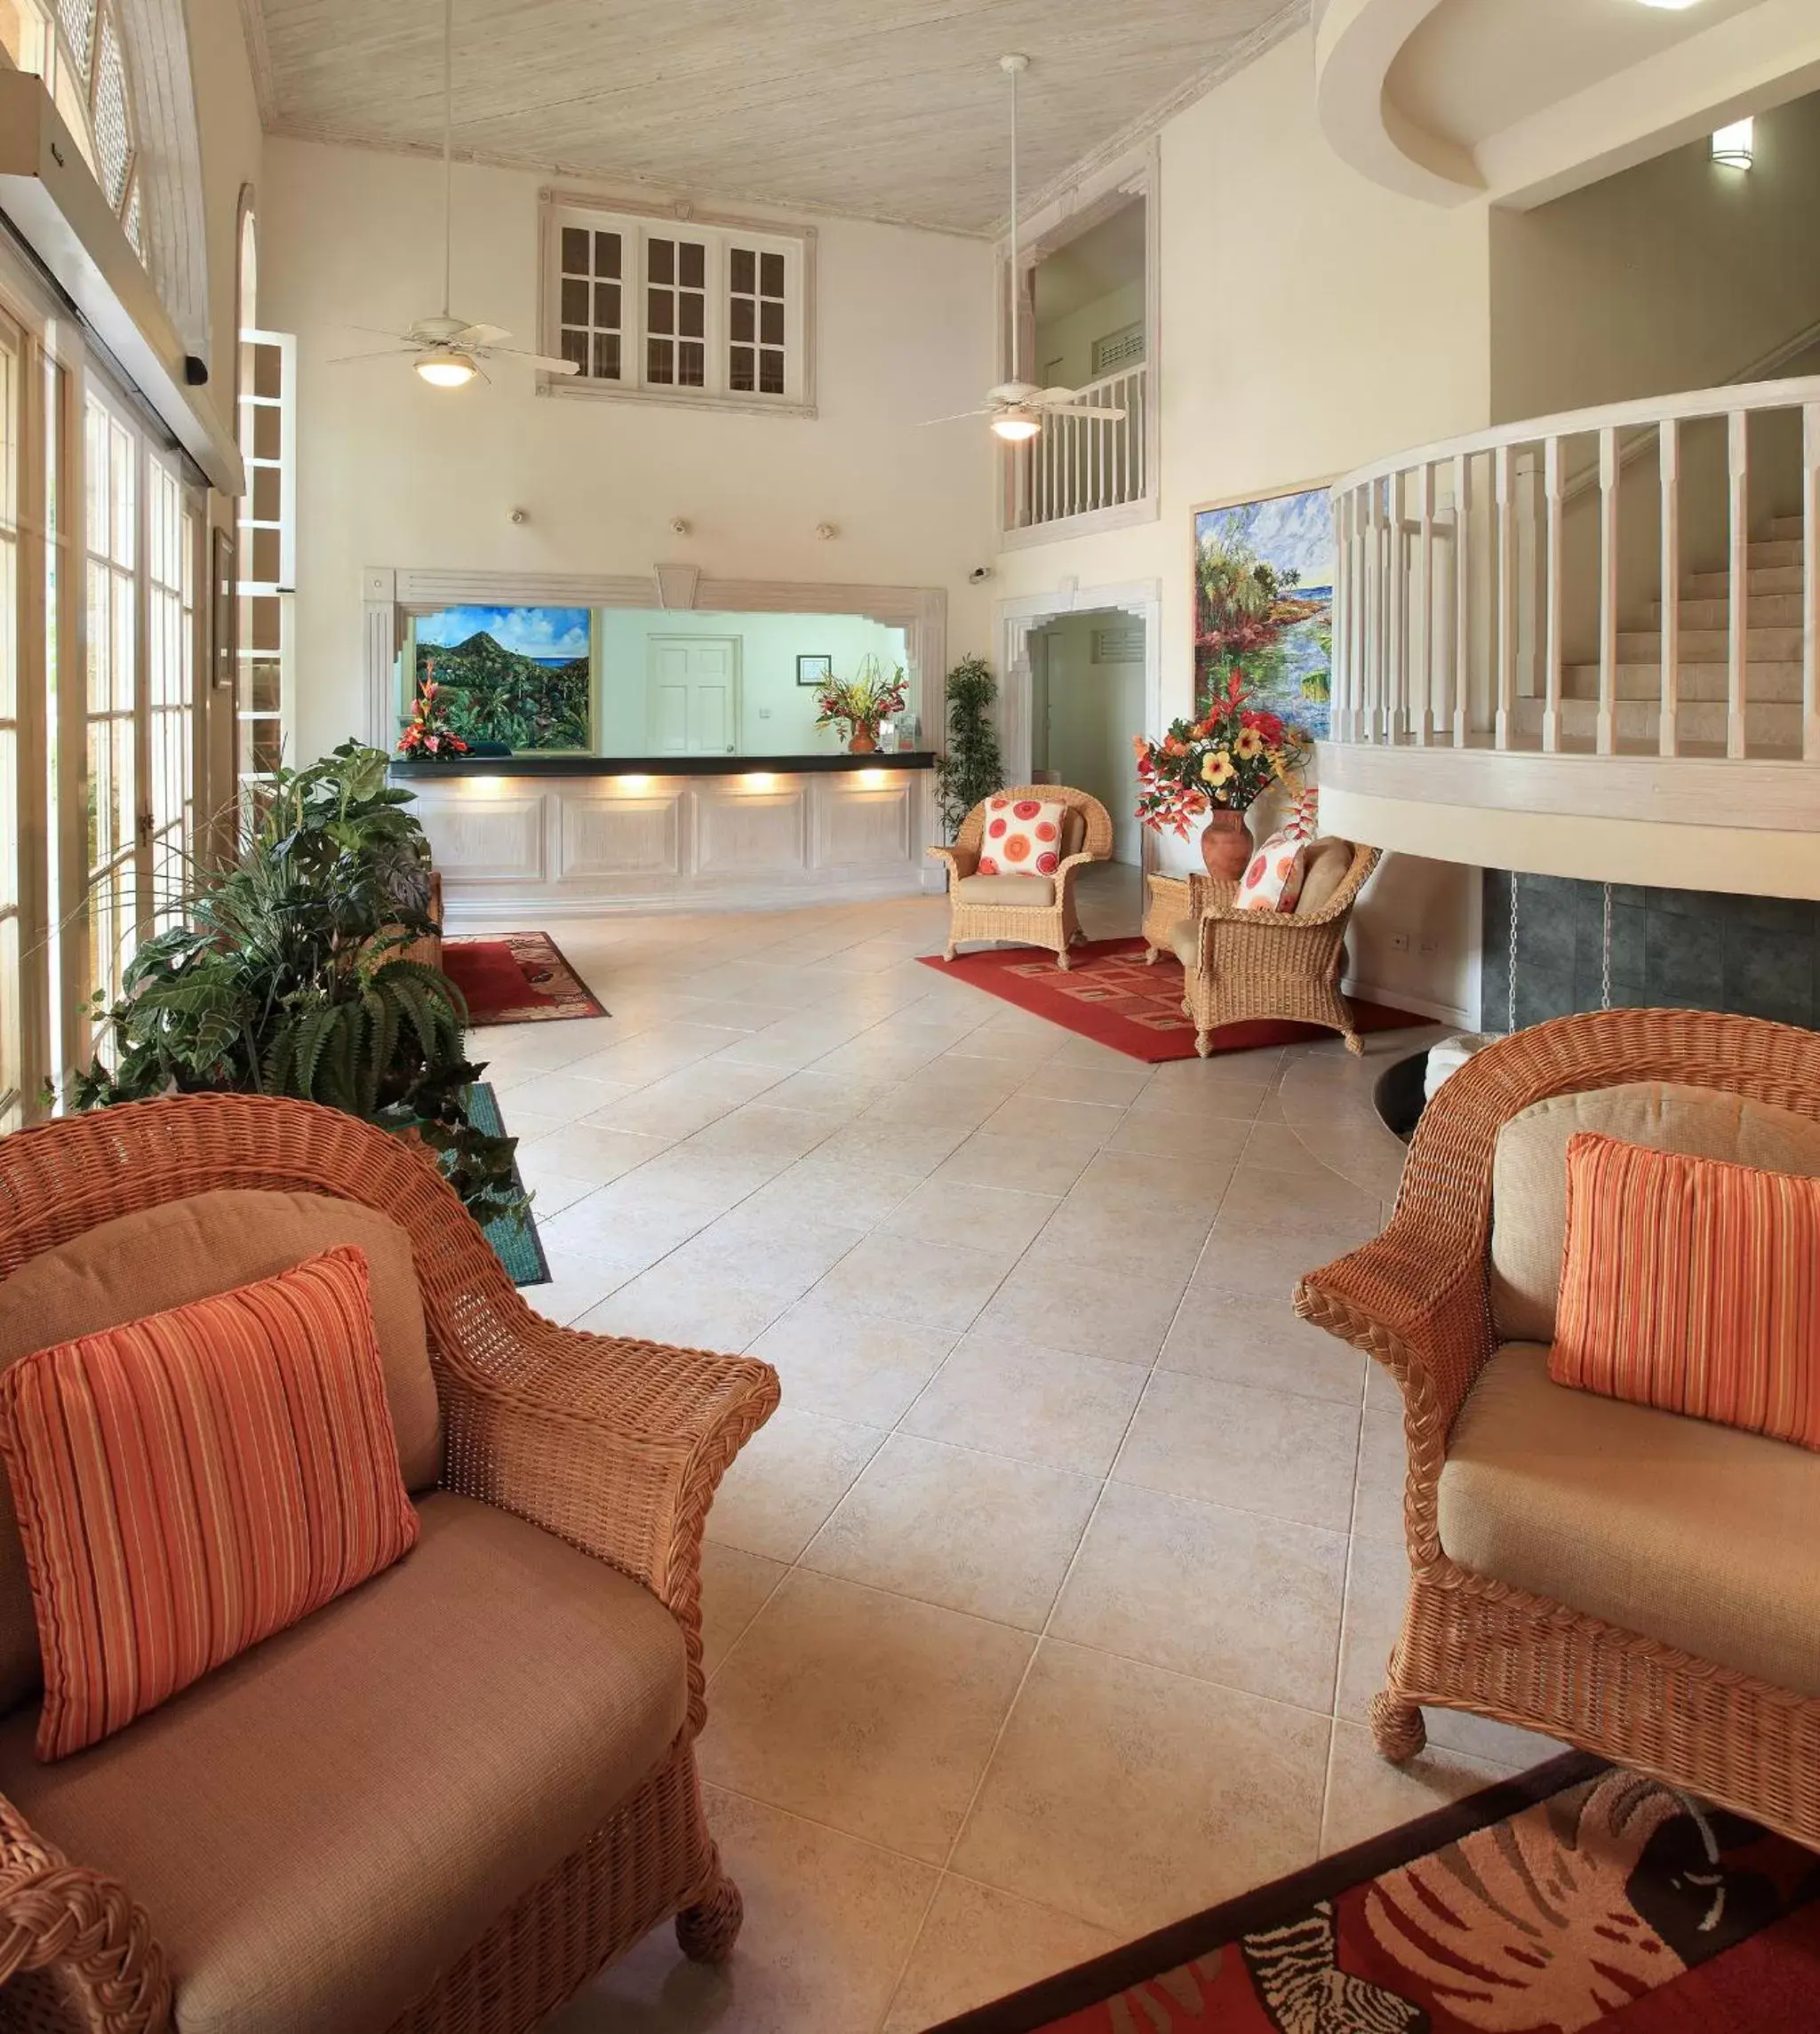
[1093, 711]
[1064, 350]
[392, 473]
[1310, 321]
[1679, 273]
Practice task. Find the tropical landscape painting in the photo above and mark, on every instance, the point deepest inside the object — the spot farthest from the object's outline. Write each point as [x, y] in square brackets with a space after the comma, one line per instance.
[1263, 573]
[519, 676]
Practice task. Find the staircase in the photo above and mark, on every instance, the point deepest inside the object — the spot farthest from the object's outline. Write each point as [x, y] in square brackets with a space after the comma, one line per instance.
[1773, 647]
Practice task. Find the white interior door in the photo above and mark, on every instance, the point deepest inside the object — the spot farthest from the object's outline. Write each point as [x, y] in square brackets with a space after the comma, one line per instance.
[691, 691]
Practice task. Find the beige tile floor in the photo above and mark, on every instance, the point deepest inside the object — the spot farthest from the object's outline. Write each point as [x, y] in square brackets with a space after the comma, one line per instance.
[1047, 1609]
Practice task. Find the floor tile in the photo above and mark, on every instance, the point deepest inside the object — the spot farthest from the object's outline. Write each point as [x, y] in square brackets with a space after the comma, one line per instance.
[891, 1147]
[1249, 1341]
[942, 1288]
[1250, 1602]
[1021, 1399]
[868, 1712]
[1129, 1796]
[1174, 1133]
[1366, 1795]
[676, 1303]
[857, 1366]
[984, 1533]
[1116, 1080]
[765, 1252]
[734, 1589]
[578, 1284]
[829, 1921]
[1059, 1298]
[1255, 1449]
[1000, 1217]
[1033, 1119]
[1051, 1167]
[977, 1945]
[787, 1480]
[1384, 1474]
[823, 1189]
[585, 1151]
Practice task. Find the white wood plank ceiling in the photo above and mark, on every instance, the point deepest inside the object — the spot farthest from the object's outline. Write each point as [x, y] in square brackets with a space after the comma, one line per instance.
[879, 108]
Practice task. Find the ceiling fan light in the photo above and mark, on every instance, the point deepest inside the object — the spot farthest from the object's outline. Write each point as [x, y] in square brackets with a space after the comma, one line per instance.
[1016, 424]
[445, 368]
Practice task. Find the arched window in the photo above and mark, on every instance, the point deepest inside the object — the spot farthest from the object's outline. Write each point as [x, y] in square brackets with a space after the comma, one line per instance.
[75, 46]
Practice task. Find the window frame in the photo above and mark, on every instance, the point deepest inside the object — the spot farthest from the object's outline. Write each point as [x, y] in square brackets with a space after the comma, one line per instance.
[638, 224]
[73, 78]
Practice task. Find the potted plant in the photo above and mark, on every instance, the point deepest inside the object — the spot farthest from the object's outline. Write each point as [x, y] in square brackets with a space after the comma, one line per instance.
[973, 768]
[1214, 769]
[287, 977]
[427, 734]
[857, 705]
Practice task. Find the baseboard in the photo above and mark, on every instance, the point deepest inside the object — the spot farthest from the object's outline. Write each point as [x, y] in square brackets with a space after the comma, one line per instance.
[1401, 999]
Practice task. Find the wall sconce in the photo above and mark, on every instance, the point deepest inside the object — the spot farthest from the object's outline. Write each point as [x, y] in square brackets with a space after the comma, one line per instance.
[1735, 145]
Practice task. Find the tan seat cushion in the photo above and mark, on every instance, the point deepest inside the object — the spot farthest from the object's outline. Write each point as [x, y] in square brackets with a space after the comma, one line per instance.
[183, 1250]
[317, 1829]
[1529, 1173]
[1324, 868]
[1039, 892]
[1184, 941]
[1073, 831]
[1693, 1533]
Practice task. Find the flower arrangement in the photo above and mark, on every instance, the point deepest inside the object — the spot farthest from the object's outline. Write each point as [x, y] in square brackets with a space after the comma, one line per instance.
[1222, 762]
[427, 733]
[857, 705]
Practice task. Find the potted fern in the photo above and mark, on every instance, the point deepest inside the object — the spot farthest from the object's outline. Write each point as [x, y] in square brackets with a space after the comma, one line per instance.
[973, 768]
[287, 976]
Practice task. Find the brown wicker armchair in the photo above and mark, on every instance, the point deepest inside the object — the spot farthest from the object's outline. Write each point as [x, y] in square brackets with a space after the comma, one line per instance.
[1641, 1511]
[1028, 910]
[611, 1447]
[1242, 964]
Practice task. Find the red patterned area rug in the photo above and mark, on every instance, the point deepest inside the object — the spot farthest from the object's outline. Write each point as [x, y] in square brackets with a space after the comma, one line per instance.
[1575, 1896]
[520, 978]
[1110, 995]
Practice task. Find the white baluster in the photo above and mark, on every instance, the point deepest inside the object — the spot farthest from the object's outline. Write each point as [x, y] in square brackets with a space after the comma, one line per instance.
[1606, 724]
[1737, 461]
[1374, 612]
[1356, 616]
[1668, 453]
[1423, 677]
[1463, 592]
[1503, 718]
[1397, 608]
[1551, 595]
[1810, 582]
[1339, 705]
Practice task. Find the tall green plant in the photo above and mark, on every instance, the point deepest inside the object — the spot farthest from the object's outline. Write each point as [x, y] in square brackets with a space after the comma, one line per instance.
[973, 768]
[287, 977]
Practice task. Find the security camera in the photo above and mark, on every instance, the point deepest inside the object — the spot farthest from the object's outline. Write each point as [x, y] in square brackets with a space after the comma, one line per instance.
[980, 575]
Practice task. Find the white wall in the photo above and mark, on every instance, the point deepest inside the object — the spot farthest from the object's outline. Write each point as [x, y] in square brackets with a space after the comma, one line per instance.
[1350, 321]
[1063, 351]
[392, 473]
[1094, 710]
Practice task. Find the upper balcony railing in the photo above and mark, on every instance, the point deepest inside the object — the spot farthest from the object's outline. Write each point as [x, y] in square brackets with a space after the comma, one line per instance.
[1078, 465]
[1639, 579]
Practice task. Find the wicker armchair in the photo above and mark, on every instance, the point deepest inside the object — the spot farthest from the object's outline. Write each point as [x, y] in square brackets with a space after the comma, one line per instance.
[614, 1447]
[991, 907]
[1242, 964]
[1420, 1300]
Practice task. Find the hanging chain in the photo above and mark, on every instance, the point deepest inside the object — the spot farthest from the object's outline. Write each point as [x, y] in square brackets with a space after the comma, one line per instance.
[1605, 956]
[1512, 969]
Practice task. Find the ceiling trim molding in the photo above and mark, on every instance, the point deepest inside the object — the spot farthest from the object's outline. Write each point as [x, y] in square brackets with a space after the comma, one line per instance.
[259, 58]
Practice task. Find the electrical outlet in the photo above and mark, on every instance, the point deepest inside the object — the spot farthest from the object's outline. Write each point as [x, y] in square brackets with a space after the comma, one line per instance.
[1400, 942]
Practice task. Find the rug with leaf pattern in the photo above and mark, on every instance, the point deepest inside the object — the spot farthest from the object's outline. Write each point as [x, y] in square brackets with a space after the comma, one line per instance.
[1578, 1896]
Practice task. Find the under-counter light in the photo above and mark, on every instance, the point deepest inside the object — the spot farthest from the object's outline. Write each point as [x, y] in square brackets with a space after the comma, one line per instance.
[633, 783]
[1735, 145]
[446, 367]
[759, 779]
[872, 777]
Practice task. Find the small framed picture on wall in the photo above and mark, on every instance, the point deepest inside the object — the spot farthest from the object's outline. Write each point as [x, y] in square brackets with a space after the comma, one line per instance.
[815, 670]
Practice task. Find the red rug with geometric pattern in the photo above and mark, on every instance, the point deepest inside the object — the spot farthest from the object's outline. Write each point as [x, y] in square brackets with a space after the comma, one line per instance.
[1575, 1896]
[1109, 994]
[518, 977]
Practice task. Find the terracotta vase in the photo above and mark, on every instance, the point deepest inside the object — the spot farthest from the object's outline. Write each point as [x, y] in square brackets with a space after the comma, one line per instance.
[862, 742]
[1226, 845]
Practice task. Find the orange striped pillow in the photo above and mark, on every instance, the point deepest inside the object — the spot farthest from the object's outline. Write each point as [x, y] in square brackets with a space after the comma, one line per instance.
[1693, 1285]
[190, 1483]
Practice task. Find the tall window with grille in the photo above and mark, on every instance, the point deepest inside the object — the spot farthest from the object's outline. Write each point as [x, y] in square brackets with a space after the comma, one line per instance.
[267, 546]
[711, 313]
[75, 47]
[12, 983]
[111, 537]
[172, 535]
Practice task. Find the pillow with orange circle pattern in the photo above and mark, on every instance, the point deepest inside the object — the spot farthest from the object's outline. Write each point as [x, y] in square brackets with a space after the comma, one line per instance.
[1274, 881]
[1023, 837]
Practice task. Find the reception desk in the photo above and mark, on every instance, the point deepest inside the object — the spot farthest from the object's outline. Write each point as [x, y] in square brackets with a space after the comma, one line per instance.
[577, 836]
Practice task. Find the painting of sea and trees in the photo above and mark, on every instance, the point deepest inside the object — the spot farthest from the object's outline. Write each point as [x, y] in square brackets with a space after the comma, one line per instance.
[1263, 574]
[520, 676]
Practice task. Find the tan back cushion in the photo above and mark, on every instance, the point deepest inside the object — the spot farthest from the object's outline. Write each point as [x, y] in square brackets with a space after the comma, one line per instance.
[183, 1250]
[1073, 831]
[1529, 1173]
[1324, 866]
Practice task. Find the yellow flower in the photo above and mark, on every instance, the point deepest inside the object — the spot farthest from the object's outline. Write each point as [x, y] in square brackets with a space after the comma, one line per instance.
[1248, 744]
[1217, 768]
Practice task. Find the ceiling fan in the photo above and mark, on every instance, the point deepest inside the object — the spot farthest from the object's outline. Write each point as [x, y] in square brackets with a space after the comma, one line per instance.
[446, 350]
[1018, 408]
